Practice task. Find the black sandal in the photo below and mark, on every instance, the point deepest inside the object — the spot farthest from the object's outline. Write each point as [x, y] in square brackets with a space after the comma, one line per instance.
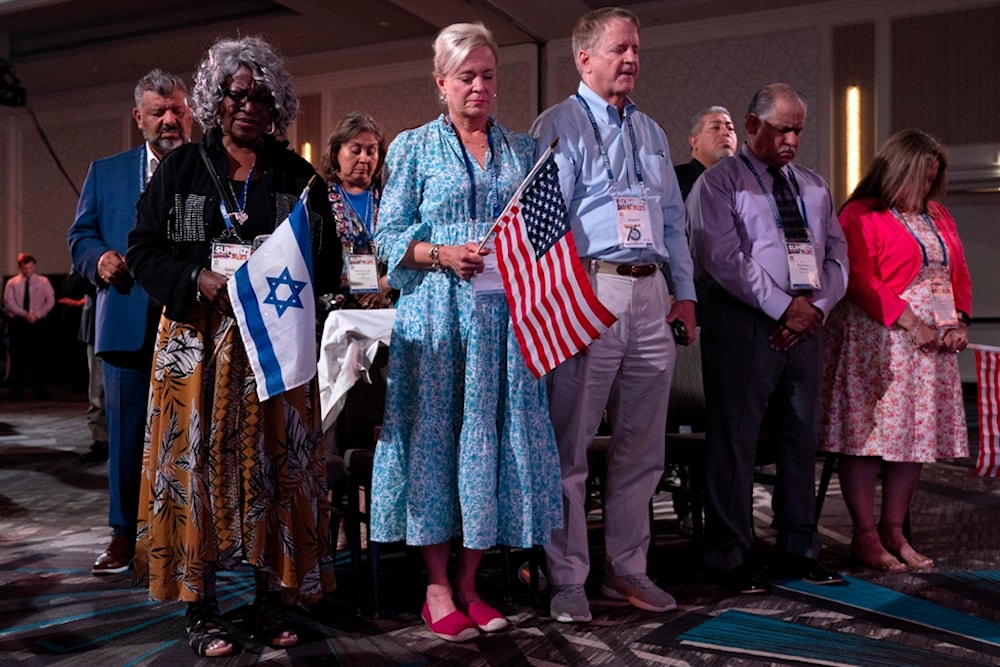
[271, 623]
[204, 627]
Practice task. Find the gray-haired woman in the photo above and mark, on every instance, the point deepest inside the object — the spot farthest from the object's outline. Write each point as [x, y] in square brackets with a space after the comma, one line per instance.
[228, 478]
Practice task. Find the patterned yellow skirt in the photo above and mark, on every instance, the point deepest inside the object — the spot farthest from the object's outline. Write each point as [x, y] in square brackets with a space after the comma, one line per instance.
[226, 479]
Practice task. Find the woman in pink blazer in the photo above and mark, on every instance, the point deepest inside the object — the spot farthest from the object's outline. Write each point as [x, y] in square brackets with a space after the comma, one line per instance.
[892, 396]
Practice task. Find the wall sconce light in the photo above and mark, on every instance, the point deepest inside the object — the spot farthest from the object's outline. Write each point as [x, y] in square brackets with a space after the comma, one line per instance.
[853, 138]
[307, 151]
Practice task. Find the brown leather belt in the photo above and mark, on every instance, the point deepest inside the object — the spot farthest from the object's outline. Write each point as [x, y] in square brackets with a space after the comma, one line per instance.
[631, 270]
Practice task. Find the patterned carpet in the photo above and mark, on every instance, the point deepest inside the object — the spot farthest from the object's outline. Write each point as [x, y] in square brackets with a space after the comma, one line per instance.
[54, 612]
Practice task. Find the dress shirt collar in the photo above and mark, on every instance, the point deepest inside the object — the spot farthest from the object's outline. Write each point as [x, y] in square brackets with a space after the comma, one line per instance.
[150, 166]
[600, 107]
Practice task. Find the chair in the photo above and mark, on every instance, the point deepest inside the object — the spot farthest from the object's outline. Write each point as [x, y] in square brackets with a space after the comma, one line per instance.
[356, 434]
[685, 438]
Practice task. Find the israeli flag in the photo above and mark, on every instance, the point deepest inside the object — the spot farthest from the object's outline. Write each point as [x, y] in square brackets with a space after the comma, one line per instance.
[272, 297]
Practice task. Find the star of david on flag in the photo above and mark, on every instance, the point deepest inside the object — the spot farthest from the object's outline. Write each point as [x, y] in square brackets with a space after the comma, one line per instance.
[294, 288]
[275, 308]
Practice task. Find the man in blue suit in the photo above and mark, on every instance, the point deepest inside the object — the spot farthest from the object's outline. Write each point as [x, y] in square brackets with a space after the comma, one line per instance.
[126, 317]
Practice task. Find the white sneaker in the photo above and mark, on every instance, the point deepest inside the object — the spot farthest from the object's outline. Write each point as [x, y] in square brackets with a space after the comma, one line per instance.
[639, 591]
[569, 604]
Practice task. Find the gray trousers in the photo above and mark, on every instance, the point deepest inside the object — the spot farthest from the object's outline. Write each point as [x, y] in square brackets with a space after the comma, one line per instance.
[627, 372]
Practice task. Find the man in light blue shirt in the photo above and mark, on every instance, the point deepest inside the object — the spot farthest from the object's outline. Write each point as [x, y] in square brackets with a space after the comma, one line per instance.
[772, 261]
[627, 218]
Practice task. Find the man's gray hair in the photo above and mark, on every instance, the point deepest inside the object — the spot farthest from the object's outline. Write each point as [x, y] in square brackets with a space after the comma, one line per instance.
[162, 83]
[590, 27]
[762, 104]
[698, 120]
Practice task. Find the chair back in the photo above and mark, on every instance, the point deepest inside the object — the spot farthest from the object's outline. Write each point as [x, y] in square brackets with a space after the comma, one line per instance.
[686, 410]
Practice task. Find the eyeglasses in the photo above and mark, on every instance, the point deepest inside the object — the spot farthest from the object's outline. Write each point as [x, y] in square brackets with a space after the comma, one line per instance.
[240, 97]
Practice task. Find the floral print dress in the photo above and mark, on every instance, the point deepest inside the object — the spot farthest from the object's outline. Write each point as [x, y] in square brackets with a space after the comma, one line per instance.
[882, 395]
[467, 448]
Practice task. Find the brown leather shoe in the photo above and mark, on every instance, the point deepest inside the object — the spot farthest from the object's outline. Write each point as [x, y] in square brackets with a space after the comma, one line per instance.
[116, 558]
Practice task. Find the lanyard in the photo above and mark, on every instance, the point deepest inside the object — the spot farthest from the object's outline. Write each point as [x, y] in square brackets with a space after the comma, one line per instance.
[495, 176]
[923, 248]
[240, 213]
[604, 151]
[142, 168]
[358, 227]
[770, 198]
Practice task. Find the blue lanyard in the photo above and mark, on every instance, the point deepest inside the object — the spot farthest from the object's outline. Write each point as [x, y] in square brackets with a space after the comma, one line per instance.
[240, 203]
[770, 198]
[142, 168]
[359, 228]
[495, 176]
[923, 248]
[604, 151]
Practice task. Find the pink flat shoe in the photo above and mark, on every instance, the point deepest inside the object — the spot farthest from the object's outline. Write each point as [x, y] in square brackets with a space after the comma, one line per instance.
[455, 627]
[486, 617]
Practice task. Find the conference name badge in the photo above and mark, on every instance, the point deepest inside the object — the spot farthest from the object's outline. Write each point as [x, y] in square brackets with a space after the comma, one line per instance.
[362, 273]
[227, 256]
[634, 228]
[489, 281]
[943, 300]
[803, 273]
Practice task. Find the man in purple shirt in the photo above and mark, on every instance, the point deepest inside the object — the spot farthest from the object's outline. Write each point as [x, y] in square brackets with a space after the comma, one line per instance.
[771, 262]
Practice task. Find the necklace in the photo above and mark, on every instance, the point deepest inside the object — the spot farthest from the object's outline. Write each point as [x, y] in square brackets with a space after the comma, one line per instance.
[240, 215]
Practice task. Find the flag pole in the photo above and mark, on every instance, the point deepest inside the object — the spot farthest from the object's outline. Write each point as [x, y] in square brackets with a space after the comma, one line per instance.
[520, 189]
[308, 187]
[983, 348]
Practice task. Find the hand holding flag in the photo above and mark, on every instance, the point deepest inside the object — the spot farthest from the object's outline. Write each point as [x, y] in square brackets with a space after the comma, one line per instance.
[275, 308]
[553, 308]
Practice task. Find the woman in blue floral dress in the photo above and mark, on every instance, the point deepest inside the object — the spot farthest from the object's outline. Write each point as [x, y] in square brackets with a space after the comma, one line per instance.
[467, 452]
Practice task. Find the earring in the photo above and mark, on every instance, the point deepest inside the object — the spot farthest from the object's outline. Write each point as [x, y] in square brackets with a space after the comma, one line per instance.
[270, 127]
[443, 98]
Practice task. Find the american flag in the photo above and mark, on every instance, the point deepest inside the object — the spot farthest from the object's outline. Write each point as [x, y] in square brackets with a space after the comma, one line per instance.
[554, 310]
[988, 389]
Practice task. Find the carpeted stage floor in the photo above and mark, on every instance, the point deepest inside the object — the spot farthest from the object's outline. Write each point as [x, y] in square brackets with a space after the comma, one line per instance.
[54, 612]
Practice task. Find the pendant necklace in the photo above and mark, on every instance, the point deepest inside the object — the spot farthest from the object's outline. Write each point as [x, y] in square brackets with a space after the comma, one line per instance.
[240, 215]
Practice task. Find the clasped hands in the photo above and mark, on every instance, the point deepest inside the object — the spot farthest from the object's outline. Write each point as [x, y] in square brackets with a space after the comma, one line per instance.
[952, 340]
[926, 337]
[800, 321]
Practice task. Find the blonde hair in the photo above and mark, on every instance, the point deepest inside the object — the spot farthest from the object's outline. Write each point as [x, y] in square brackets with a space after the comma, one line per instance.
[454, 44]
[900, 167]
